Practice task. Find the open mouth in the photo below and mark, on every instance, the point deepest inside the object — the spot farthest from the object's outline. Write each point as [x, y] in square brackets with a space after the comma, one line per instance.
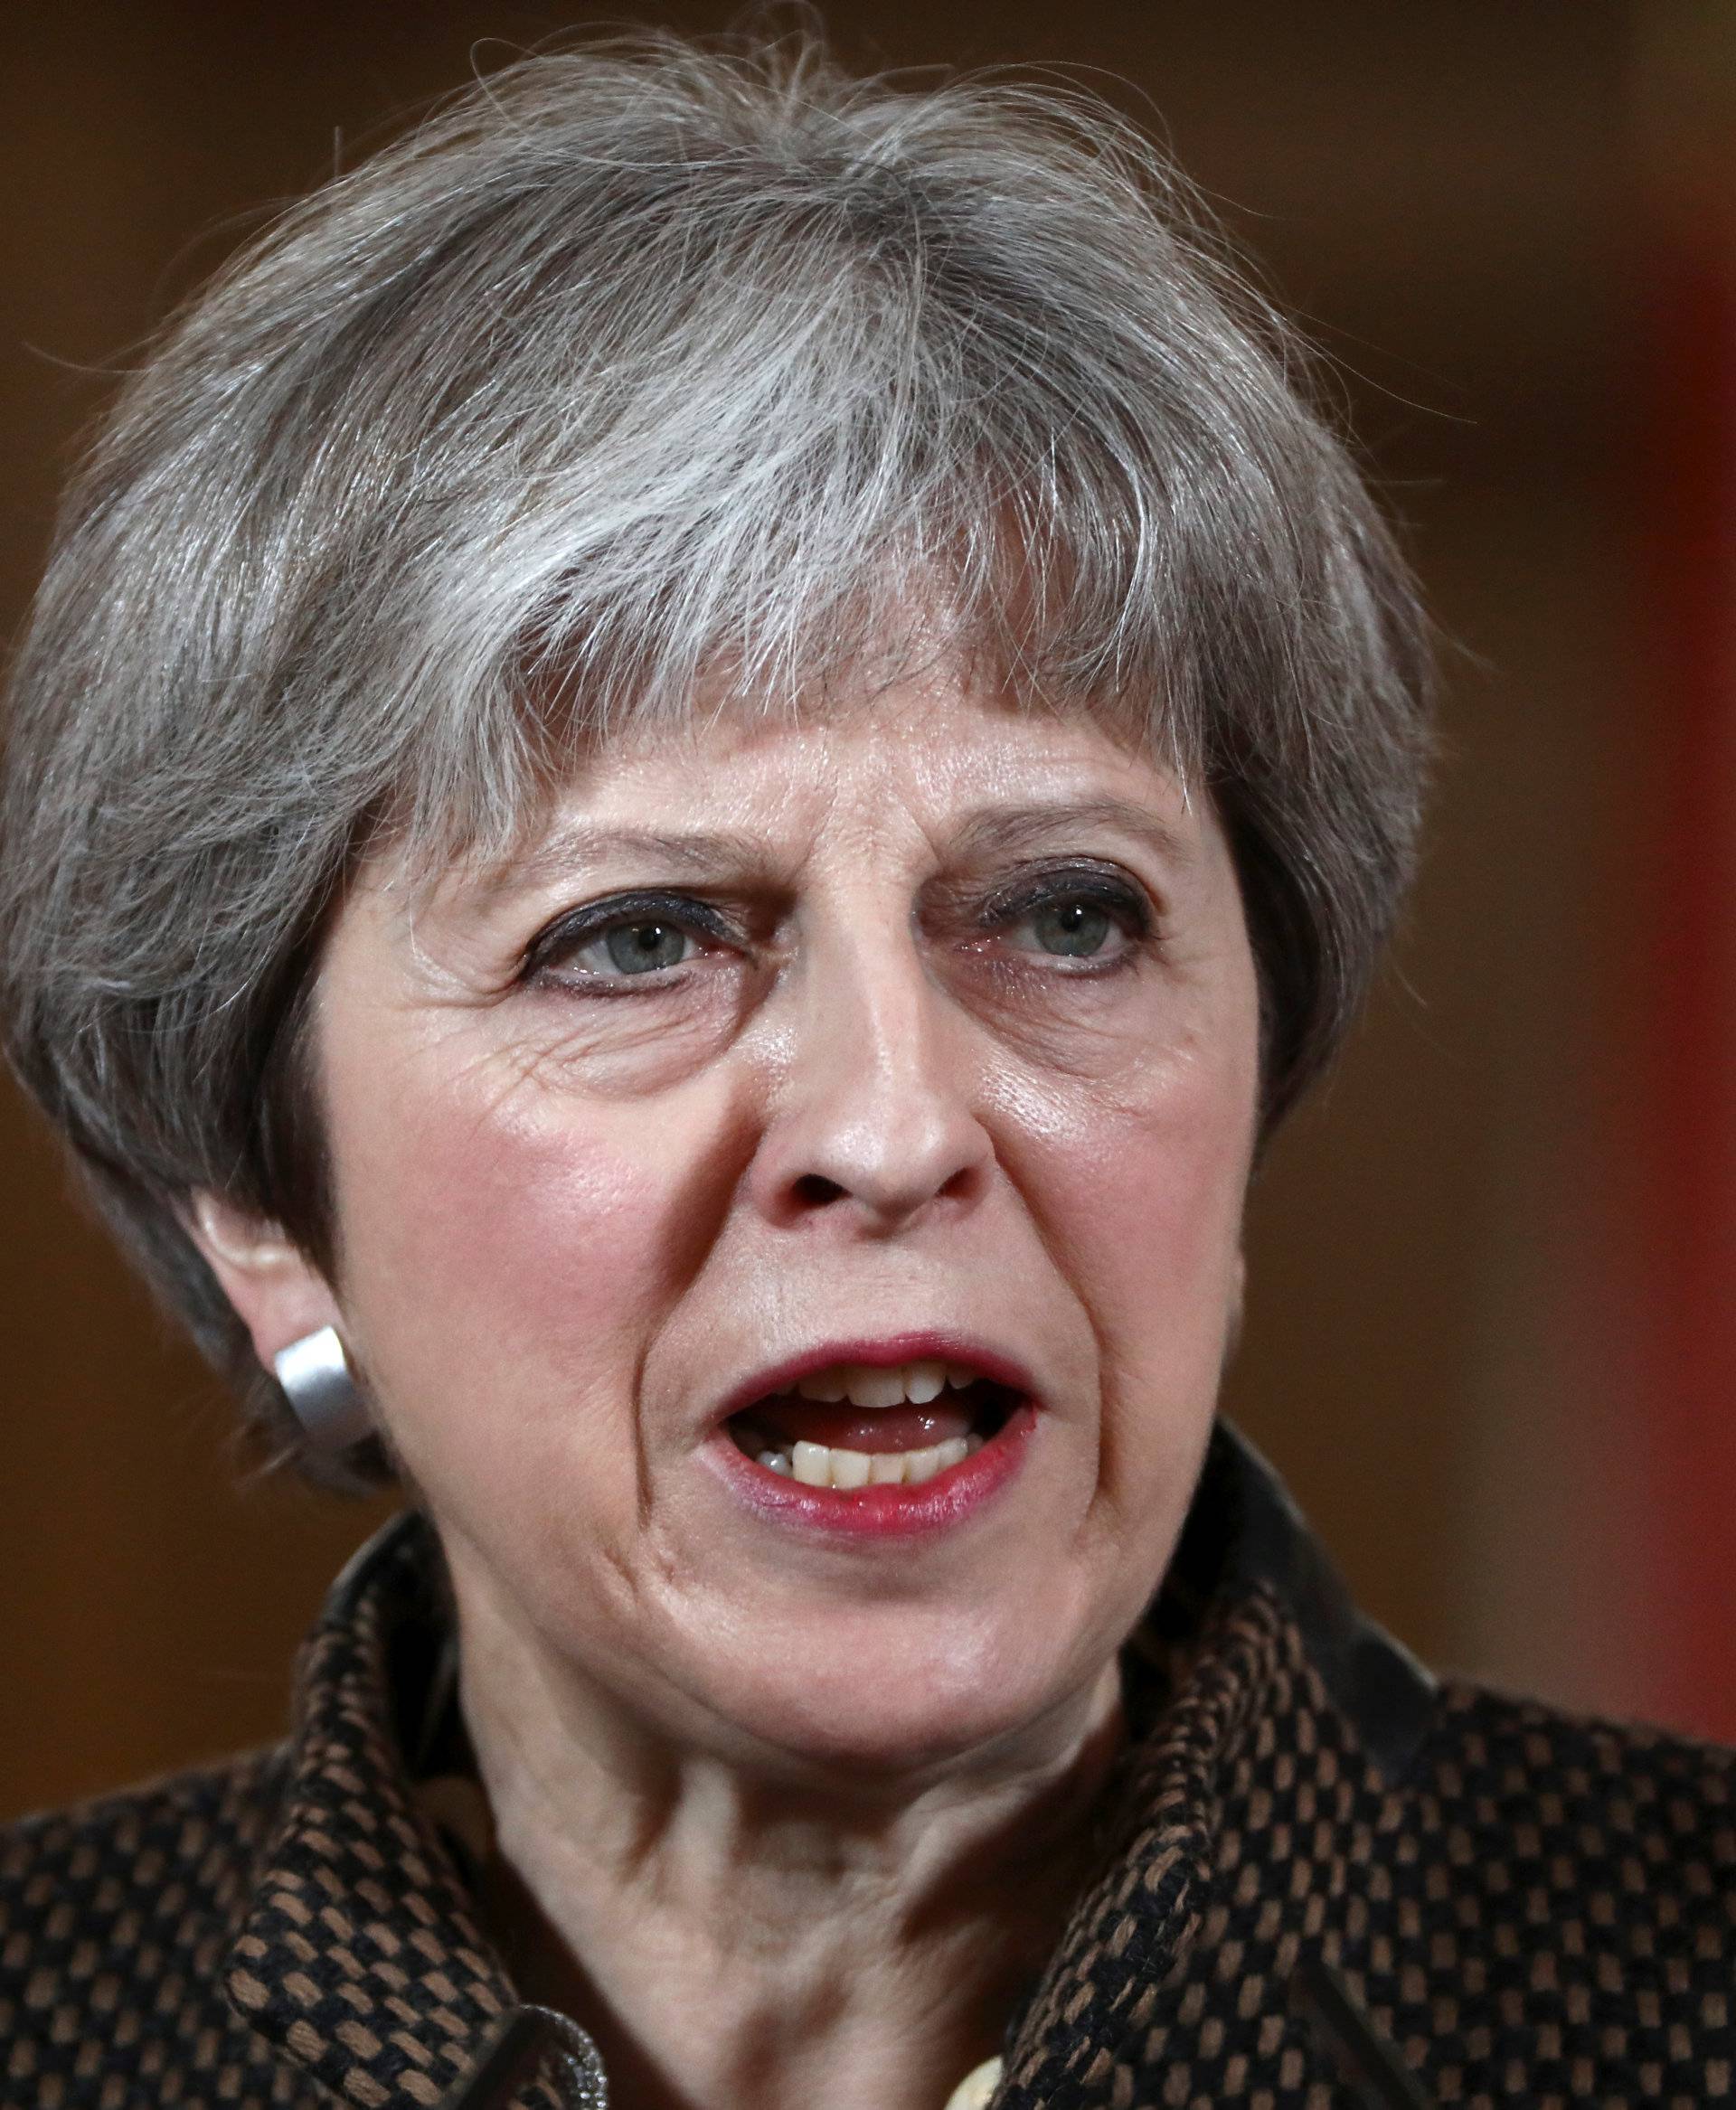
[852, 1425]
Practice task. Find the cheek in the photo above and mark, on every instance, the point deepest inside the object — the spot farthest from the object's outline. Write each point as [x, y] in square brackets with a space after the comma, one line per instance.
[1142, 1179]
[503, 1263]
[1172, 1178]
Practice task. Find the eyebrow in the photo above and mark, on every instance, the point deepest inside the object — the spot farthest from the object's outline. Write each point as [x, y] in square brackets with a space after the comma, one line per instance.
[989, 831]
[1011, 829]
[576, 845]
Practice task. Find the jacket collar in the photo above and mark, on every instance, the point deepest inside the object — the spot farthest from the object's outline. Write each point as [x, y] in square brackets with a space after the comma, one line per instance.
[362, 1959]
[1252, 1627]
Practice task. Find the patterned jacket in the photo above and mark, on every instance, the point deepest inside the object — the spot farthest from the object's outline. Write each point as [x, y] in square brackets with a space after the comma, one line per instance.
[1326, 1880]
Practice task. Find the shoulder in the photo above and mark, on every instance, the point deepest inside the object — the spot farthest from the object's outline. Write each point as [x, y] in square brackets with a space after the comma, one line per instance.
[1551, 1898]
[1638, 1811]
[115, 1915]
[1492, 1753]
[1487, 1727]
[193, 1831]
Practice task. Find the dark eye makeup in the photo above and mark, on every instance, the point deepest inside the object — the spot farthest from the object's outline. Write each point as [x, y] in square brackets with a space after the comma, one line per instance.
[1052, 890]
[1075, 911]
[642, 920]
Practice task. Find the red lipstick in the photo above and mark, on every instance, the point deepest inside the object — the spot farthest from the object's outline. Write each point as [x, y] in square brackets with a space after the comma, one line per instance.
[878, 1510]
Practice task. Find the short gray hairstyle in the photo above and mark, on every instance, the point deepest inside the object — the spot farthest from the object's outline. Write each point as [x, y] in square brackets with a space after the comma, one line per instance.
[640, 371]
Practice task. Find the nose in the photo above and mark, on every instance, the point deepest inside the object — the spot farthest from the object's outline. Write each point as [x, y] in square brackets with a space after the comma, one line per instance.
[872, 1122]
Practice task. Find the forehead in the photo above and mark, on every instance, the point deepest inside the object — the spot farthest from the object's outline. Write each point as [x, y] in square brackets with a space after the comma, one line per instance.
[931, 756]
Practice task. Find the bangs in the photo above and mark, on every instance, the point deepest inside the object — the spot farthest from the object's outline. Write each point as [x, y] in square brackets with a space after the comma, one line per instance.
[708, 429]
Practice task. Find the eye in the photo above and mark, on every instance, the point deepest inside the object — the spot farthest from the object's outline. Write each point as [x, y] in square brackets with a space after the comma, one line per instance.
[1094, 918]
[1075, 930]
[610, 943]
[635, 949]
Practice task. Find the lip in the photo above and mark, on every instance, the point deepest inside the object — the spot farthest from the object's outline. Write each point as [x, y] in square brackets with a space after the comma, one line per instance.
[884, 1354]
[879, 1513]
[882, 1513]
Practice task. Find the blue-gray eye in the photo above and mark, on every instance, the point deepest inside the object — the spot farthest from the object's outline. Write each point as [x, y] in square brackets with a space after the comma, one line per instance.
[1075, 930]
[641, 948]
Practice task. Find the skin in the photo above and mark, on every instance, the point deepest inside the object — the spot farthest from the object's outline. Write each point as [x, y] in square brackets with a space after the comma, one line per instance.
[784, 1819]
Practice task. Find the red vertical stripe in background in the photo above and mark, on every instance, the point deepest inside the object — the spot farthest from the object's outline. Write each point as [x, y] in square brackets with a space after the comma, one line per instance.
[1687, 982]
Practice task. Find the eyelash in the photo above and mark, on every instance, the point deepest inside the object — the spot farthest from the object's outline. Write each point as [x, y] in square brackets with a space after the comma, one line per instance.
[1094, 886]
[578, 927]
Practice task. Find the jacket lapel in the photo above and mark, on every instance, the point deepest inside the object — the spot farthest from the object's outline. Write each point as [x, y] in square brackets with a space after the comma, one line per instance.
[361, 1960]
[1249, 1666]
[1134, 1931]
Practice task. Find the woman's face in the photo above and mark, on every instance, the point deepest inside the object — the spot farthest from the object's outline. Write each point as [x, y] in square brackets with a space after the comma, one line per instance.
[922, 1032]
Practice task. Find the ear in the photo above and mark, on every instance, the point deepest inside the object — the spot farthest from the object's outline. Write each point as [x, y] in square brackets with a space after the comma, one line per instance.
[278, 1293]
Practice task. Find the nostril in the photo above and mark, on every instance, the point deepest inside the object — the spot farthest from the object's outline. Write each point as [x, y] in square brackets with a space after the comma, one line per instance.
[813, 1190]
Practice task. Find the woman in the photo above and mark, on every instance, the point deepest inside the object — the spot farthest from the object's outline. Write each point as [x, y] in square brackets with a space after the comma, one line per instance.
[702, 757]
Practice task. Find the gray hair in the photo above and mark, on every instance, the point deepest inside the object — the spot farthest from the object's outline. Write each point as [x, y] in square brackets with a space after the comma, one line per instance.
[638, 371]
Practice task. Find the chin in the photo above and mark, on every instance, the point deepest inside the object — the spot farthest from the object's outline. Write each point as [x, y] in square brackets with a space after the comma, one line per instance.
[889, 1704]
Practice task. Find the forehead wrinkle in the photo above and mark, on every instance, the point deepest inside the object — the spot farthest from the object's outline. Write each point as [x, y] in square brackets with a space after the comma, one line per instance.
[576, 843]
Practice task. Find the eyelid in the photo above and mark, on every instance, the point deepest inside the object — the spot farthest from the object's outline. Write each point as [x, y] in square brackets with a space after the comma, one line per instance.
[572, 927]
[1110, 886]
[1029, 886]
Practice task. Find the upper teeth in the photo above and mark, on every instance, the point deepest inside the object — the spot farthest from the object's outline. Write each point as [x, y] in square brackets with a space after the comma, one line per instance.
[917, 1383]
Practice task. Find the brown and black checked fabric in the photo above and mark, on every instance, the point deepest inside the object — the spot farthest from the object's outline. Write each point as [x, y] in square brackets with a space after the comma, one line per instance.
[391, 1982]
[115, 1923]
[1532, 1909]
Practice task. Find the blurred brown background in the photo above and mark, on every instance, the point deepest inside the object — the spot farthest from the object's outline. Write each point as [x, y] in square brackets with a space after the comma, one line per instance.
[1460, 200]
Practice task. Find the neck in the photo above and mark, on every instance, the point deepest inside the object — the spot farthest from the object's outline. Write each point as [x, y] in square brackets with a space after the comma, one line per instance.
[769, 1934]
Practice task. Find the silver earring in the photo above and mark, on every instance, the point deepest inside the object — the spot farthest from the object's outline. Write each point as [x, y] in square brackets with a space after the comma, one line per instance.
[323, 1393]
